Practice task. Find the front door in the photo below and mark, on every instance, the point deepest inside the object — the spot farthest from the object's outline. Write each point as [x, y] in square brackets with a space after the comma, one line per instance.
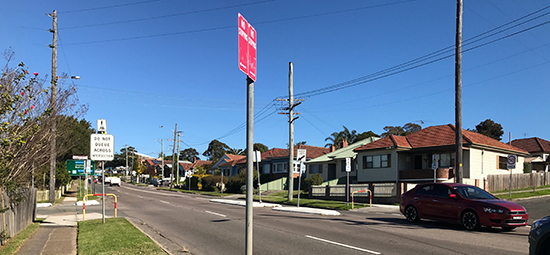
[331, 171]
[418, 162]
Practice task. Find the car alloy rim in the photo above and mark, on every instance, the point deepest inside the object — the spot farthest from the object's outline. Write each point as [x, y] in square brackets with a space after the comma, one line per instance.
[469, 220]
[411, 213]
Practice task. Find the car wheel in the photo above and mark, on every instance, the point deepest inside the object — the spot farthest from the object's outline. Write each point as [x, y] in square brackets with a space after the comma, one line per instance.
[470, 220]
[411, 213]
[508, 228]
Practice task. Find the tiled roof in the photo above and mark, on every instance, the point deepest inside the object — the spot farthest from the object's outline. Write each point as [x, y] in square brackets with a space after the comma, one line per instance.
[533, 144]
[311, 152]
[436, 136]
[235, 157]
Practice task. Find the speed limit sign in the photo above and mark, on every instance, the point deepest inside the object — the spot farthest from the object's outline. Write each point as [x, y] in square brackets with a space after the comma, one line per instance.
[511, 161]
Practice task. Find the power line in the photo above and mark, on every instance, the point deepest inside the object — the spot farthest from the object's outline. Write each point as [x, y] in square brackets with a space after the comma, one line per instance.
[421, 61]
[232, 26]
[168, 15]
[108, 7]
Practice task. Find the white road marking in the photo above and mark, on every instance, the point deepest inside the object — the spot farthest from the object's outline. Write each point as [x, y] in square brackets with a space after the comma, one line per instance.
[164, 202]
[343, 245]
[140, 196]
[221, 215]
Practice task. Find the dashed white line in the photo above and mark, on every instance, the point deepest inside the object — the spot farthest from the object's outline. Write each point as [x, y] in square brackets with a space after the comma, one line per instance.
[162, 201]
[343, 245]
[140, 196]
[221, 215]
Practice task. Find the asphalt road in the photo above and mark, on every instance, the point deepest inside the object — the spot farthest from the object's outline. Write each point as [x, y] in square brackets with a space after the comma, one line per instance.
[190, 223]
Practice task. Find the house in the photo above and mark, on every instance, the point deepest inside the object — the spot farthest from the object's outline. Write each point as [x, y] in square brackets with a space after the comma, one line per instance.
[539, 152]
[227, 164]
[409, 158]
[274, 162]
[333, 164]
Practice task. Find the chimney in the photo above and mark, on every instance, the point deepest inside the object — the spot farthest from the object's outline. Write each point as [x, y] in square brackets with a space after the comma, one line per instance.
[194, 159]
[344, 143]
[332, 148]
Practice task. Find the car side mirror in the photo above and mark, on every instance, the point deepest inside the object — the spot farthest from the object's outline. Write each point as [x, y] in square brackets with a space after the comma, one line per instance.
[452, 196]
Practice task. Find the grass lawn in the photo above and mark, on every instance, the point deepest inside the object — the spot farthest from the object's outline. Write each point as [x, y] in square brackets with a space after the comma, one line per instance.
[116, 236]
[282, 198]
[524, 194]
[13, 244]
[208, 193]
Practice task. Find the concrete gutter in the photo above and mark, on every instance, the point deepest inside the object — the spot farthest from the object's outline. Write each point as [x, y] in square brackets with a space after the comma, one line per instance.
[278, 207]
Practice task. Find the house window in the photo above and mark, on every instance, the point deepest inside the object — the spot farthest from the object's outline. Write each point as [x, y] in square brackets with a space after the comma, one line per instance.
[446, 160]
[378, 161]
[502, 163]
[279, 168]
[315, 169]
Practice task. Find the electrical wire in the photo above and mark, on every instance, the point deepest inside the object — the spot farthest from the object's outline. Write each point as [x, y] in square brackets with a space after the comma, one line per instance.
[421, 61]
[168, 15]
[108, 7]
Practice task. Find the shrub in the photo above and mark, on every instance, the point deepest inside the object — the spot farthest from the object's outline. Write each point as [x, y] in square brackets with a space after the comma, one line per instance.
[234, 184]
[315, 179]
[209, 183]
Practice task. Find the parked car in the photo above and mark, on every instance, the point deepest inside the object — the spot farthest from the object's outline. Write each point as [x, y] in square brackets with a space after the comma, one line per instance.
[539, 237]
[460, 203]
[114, 181]
[154, 181]
[107, 179]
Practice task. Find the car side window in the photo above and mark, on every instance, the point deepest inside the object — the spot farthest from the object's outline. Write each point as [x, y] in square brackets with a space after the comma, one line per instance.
[442, 191]
[426, 190]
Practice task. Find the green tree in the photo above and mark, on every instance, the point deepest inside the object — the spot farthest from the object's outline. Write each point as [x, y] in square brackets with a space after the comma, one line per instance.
[189, 154]
[236, 151]
[215, 150]
[490, 129]
[334, 139]
[260, 147]
[366, 135]
[73, 137]
[406, 129]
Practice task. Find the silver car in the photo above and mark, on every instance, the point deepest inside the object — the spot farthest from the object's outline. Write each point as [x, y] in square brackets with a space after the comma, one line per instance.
[539, 237]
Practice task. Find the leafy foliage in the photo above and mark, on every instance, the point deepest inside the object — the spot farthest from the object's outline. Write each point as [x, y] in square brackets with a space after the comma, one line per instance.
[351, 136]
[260, 147]
[215, 150]
[189, 154]
[315, 179]
[490, 129]
[406, 129]
[236, 151]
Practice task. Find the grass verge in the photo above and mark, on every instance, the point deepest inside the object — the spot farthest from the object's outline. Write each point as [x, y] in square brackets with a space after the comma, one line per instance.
[14, 244]
[524, 194]
[282, 198]
[116, 236]
[208, 193]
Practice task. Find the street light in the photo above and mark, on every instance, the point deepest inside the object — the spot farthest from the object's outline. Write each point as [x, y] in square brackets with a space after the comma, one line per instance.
[53, 155]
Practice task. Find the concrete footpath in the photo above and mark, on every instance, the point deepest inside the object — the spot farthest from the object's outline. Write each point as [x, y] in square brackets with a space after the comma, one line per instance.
[57, 234]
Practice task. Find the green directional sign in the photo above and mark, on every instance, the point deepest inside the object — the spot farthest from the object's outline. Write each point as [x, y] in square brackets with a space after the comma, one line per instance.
[77, 167]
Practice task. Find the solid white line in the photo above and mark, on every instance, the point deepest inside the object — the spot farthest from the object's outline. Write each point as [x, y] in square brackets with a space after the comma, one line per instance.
[164, 202]
[221, 215]
[343, 245]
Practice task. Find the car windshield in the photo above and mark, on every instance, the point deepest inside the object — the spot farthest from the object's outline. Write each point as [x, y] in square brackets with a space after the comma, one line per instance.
[471, 192]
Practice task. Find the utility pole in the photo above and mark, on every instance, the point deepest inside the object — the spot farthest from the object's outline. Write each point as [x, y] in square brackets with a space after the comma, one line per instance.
[162, 154]
[53, 107]
[458, 92]
[126, 169]
[174, 158]
[178, 159]
[291, 119]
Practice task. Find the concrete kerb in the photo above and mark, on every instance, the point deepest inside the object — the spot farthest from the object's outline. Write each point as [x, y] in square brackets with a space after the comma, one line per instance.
[278, 207]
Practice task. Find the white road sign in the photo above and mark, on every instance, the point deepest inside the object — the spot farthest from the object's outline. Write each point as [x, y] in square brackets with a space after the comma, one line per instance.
[348, 164]
[301, 155]
[511, 161]
[102, 125]
[102, 147]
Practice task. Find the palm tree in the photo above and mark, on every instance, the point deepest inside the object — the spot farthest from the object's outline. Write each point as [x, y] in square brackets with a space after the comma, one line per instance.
[235, 151]
[334, 139]
[351, 137]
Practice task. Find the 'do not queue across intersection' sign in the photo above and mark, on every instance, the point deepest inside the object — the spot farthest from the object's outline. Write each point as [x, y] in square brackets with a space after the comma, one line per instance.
[102, 147]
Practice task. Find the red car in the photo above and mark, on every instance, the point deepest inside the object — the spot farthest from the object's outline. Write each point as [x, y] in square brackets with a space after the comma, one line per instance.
[460, 203]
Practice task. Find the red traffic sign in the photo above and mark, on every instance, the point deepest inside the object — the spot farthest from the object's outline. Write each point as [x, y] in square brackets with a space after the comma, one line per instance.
[511, 161]
[247, 48]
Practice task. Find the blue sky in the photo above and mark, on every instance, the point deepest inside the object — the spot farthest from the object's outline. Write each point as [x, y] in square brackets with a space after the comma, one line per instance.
[145, 64]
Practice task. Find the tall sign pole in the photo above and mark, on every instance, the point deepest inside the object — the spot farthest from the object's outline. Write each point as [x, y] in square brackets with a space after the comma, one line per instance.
[458, 92]
[102, 148]
[247, 64]
[290, 133]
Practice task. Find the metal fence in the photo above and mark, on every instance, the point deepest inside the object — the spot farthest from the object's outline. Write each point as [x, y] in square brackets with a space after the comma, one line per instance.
[19, 215]
[501, 182]
[379, 190]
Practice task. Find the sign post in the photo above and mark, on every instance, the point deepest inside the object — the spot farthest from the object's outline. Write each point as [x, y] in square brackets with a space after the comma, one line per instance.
[301, 156]
[348, 170]
[511, 164]
[102, 148]
[247, 64]
[435, 159]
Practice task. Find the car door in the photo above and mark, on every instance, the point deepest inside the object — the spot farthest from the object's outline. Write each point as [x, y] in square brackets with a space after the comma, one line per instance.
[423, 198]
[446, 208]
